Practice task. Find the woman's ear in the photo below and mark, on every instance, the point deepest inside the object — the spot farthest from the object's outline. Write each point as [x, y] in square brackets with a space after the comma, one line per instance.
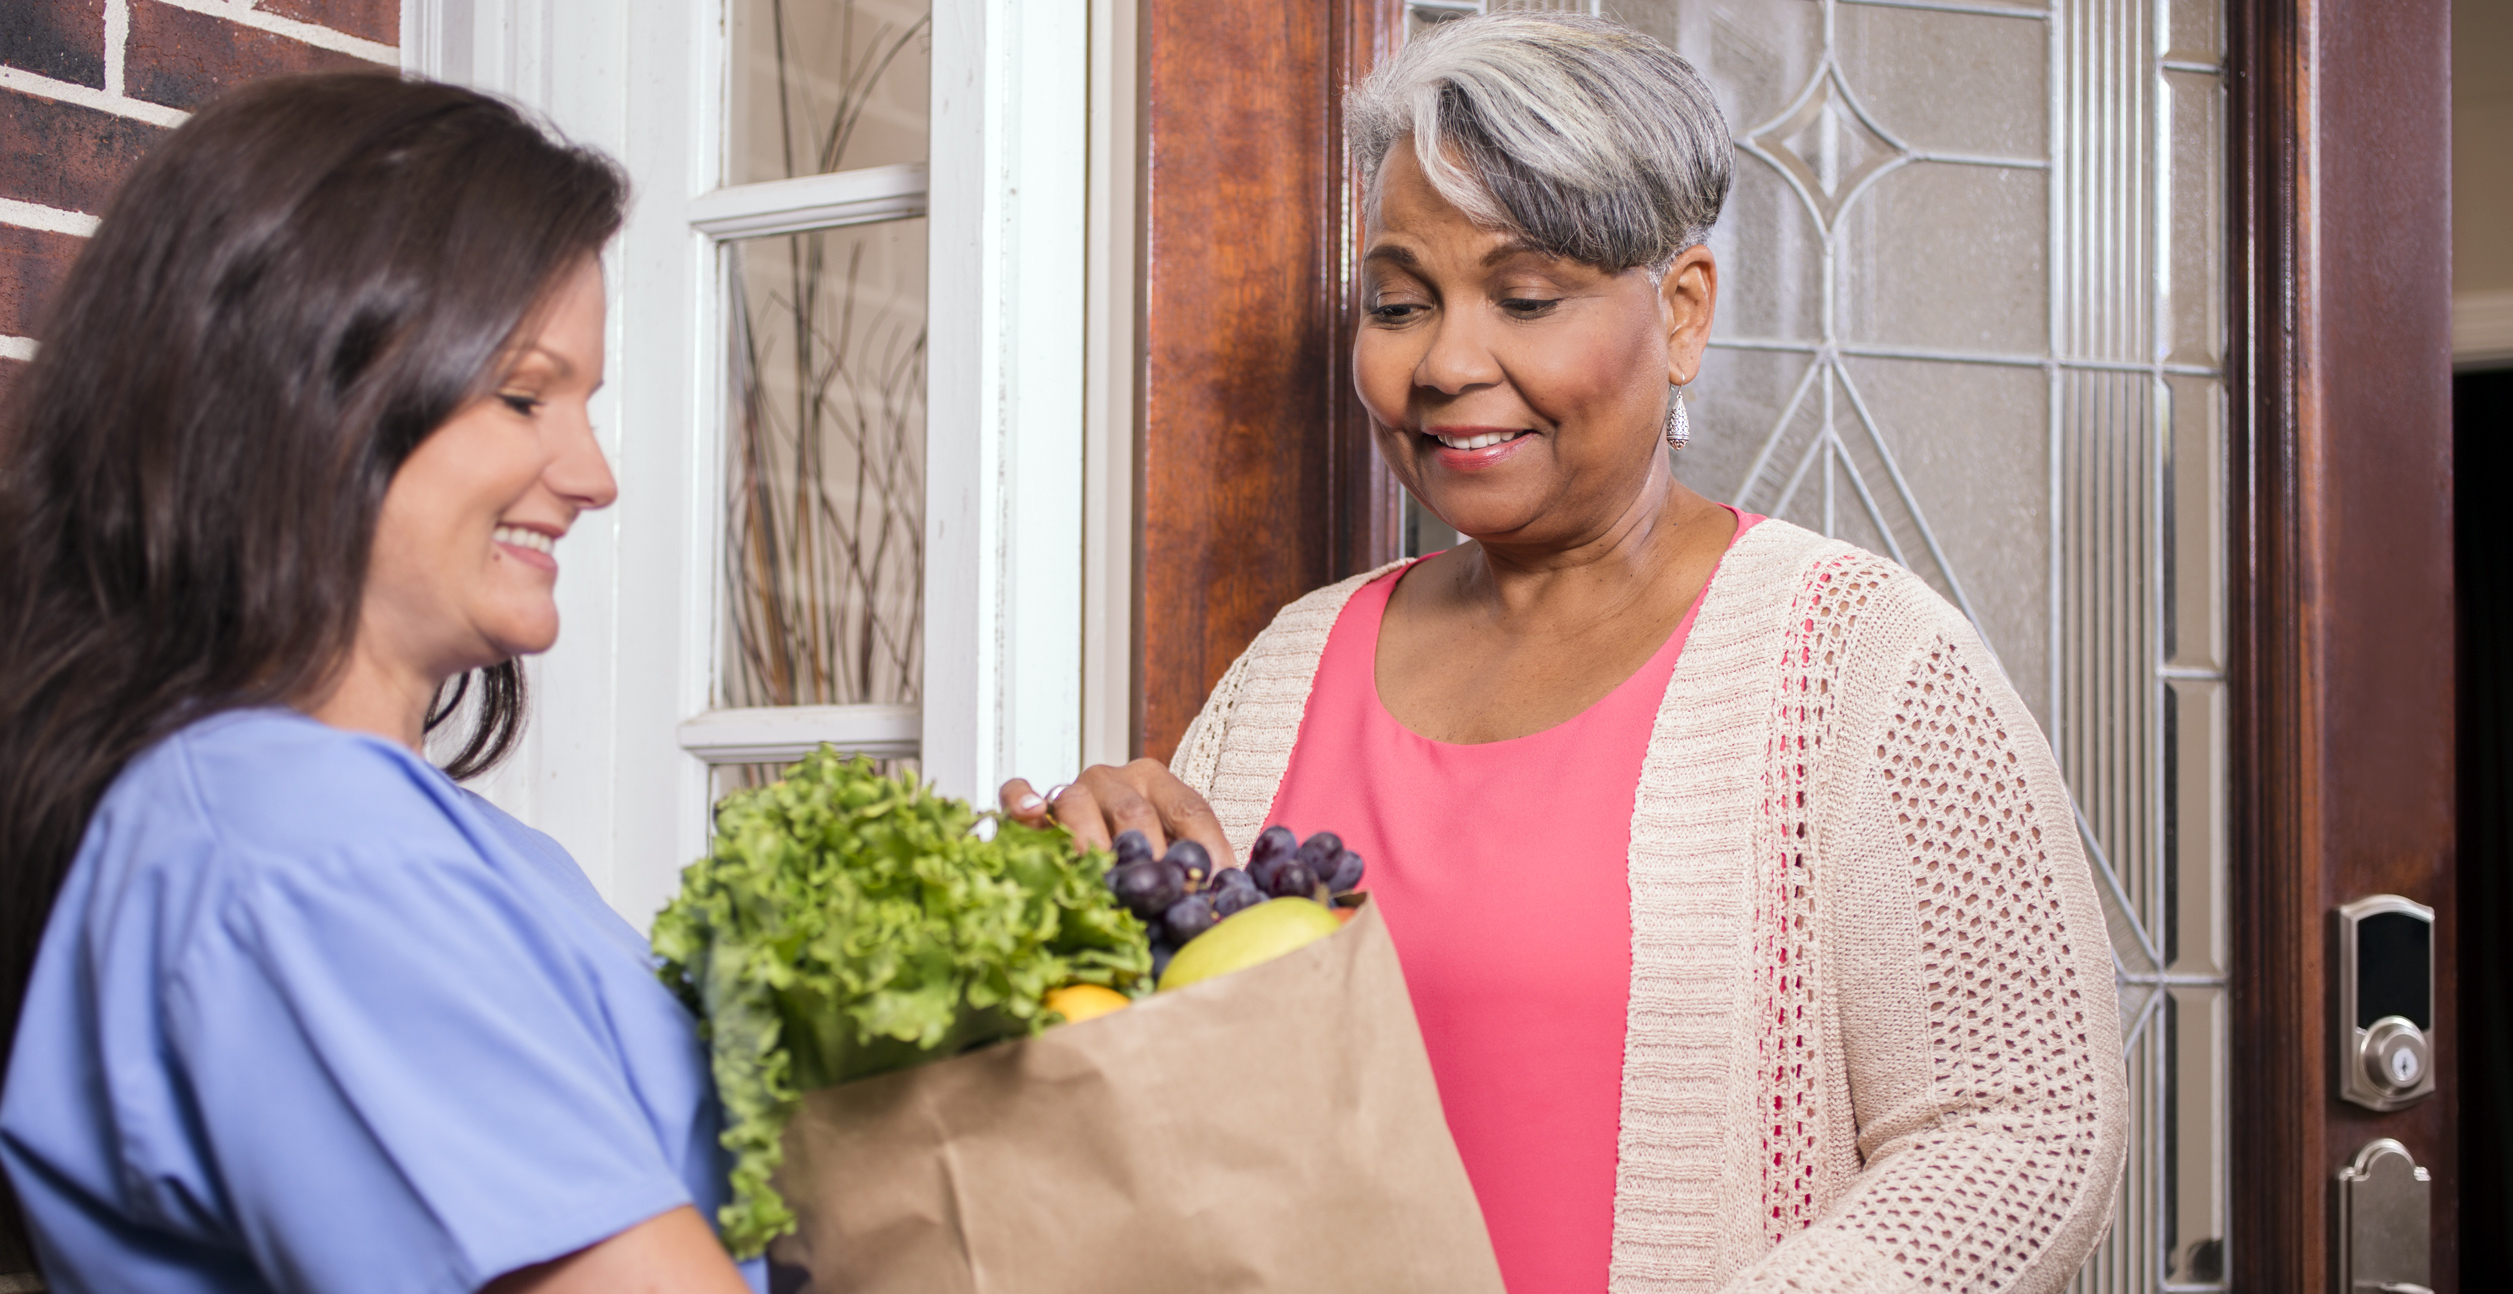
[1687, 296]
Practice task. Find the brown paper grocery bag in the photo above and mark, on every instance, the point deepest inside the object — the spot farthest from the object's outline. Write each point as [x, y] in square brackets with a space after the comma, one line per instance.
[1271, 1129]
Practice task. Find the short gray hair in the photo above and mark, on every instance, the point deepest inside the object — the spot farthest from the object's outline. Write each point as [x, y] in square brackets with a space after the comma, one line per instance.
[1592, 141]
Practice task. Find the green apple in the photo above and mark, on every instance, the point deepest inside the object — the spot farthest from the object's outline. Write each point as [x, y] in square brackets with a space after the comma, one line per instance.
[1260, 934]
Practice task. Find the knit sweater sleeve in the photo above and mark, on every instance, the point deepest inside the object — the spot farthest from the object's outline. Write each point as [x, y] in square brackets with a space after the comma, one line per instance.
[1199, 753]
[1964, 955]
[1236, 751]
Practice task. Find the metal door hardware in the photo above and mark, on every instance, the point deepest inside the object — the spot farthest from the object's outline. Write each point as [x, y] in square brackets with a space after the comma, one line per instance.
[2383, 1222]
[2386, 1002]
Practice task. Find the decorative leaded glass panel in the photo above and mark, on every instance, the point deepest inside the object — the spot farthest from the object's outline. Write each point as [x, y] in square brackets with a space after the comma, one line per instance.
[1971, 317]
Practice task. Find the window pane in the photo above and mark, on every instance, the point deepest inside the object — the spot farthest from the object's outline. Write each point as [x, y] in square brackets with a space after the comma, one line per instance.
[827, 85]
[825, 468]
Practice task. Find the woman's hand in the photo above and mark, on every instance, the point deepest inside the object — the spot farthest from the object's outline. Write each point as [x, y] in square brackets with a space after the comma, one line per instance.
[1143, 796]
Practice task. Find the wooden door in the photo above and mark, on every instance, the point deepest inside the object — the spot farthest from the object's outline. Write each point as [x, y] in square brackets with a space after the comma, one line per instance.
[1257, 483]
[1256, 474]
[2343, 590]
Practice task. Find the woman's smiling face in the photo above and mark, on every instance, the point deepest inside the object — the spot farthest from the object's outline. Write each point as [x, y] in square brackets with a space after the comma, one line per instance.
[1520, 396]
[464, 566]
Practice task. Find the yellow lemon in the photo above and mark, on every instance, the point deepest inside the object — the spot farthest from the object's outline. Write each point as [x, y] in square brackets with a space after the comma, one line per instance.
[1079, 1002]
[1260, 934]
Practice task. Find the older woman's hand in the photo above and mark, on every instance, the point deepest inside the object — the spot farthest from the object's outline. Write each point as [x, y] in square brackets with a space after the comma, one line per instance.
[1106, 800]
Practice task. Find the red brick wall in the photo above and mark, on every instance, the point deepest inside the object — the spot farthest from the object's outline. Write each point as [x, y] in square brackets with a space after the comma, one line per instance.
[86, 86]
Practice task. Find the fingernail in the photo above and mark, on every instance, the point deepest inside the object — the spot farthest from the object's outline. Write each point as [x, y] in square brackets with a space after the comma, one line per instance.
[1031, 803]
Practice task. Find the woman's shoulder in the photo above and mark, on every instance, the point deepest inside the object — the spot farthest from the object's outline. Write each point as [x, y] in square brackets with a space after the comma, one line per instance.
[1778, 570]
[272, 822]
[1868, 627]
[1314, 613]
[1259, 701]
[242, 827]
[1775, 562]
[274, 783]
[1287, 649]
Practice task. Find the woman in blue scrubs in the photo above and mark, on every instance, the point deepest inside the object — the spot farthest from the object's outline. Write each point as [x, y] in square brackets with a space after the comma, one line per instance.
[288, 1009]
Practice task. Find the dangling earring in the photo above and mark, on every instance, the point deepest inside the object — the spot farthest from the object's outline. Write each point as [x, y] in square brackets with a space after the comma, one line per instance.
[1679, 427]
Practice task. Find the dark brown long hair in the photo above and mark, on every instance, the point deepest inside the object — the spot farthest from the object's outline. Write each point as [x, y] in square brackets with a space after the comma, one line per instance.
[288, 294]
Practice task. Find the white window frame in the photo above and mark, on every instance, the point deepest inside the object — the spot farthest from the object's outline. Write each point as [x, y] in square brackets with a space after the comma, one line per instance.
[1029, 412]
[865, 196]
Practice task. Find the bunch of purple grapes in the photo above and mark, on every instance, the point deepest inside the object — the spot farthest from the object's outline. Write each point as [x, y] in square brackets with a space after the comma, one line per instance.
[1181, 894]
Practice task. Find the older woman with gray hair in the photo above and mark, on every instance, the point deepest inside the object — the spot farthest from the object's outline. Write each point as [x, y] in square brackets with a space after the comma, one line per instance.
[1738, 893]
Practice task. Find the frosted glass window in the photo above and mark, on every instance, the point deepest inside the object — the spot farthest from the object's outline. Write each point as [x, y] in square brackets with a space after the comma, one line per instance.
[823, 431]
[819, 86]
[825, 475]
[1972, 318]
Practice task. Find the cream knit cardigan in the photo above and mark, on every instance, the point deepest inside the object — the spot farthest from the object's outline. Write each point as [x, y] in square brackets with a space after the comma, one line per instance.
[1872, 1041]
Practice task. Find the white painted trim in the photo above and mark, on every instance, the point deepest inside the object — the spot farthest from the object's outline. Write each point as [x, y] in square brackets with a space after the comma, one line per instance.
[1008, 240]
[19, 348]
[35, 215]
[782, 734]
[423, 36]
[963, 469]
[1108, 482]
[243, 14]
[2482, 328]
[660, 85]
[88, 96]
[506, 47]
[811, 202]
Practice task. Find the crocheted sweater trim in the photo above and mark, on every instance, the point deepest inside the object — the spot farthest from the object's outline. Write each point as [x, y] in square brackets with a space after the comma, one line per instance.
[1872, 1041]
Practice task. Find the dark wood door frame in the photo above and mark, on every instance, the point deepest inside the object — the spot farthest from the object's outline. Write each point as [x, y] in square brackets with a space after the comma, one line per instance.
[1256, 481]
[2343, 669]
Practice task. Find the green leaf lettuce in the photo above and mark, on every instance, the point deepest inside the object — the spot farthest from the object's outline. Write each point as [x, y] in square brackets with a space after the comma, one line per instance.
[847, 924]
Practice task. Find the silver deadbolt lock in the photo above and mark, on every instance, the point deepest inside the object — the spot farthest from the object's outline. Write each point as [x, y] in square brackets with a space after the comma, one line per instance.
[2386, 1002]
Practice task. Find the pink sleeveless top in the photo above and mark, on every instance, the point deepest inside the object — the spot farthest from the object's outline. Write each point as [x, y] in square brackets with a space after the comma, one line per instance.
[1499, 869]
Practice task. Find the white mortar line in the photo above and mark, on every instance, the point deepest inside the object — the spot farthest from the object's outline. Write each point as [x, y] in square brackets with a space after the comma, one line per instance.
[117, 45]
[17, 348]
[32, 215]
[245, 15]
[88, 96]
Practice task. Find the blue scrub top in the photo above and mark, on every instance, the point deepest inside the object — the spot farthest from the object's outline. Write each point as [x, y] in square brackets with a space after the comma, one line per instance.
[309, 1016]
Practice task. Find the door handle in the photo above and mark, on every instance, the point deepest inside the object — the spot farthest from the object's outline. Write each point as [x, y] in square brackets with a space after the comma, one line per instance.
[2385, 1237]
